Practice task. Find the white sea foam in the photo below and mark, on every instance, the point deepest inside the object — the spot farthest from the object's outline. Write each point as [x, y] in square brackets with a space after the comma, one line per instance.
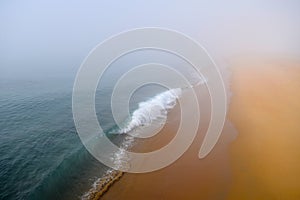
[152, 109]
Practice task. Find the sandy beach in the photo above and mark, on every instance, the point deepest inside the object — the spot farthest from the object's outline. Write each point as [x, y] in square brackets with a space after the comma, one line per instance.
[257, 156]
[265, 109]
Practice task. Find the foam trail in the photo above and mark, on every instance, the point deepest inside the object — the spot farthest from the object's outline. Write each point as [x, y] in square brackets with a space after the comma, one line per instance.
[152, 109]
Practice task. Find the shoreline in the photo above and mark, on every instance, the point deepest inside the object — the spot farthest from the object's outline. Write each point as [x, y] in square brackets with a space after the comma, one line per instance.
[260, 162]
[186, 176]
[103, 185]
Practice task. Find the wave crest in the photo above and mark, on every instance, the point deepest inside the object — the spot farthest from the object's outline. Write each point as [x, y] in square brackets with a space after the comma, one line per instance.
[152, 109]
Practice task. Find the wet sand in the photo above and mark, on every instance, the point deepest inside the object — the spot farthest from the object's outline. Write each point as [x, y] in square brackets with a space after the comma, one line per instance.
[261, 162]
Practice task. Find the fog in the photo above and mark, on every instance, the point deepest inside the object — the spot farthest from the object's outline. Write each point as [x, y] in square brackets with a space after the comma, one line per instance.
[41, 39]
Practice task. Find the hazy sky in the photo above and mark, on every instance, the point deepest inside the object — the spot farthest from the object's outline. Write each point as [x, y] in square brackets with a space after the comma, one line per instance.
[51, 38]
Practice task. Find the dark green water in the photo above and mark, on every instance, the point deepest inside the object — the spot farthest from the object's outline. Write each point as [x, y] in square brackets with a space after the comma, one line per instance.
[41, 156]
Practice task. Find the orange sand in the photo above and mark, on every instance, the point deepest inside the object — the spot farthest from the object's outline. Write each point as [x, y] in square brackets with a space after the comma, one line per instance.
[266, 112]
[263, 162]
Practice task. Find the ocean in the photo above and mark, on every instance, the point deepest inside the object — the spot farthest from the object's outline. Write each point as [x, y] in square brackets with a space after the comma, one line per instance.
[41, 155]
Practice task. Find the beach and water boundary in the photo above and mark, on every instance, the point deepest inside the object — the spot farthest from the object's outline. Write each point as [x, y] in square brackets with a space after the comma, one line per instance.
[260, 160]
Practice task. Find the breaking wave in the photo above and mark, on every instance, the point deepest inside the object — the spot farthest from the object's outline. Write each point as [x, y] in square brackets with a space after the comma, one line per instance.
[155, 108]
